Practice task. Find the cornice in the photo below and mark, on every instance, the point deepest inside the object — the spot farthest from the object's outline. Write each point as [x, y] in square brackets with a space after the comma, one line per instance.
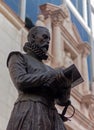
[48, 8]
[11, 16]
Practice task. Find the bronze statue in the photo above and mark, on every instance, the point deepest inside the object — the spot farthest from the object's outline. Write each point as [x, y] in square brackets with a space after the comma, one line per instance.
[38, 85]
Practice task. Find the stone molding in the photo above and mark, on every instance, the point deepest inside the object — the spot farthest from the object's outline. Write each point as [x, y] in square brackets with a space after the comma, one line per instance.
[65, 10]
[48, 9]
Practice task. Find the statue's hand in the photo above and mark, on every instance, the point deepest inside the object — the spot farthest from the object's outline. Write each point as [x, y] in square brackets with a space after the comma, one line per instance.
[62, 79]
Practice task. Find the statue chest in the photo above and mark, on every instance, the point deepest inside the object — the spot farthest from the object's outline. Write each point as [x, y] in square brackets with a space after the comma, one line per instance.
[35, 66]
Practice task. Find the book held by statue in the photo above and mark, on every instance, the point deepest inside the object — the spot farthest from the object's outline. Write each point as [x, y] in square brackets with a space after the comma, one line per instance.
[73, 74]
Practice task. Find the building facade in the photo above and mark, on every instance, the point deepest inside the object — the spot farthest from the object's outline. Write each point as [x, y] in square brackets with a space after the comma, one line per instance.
[70, 44]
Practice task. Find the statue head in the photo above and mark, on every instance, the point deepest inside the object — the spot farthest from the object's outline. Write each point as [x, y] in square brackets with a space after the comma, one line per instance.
[39, 38]
[41, 17]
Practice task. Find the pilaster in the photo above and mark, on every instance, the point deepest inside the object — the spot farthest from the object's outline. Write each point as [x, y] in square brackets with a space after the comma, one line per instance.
[49, 26]
[57, 19]
[85, 50]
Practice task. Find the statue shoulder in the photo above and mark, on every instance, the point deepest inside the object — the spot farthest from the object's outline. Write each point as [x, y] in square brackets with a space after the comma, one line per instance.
[17, 53]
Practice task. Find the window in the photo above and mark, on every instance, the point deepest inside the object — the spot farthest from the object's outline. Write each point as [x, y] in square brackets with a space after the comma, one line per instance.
[78, 5]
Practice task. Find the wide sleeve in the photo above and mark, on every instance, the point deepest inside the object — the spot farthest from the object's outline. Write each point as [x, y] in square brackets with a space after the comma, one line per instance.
[24, 80]
[64, 88]
[63, 97]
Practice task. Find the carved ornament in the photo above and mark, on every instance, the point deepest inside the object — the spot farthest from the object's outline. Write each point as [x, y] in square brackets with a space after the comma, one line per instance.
[84, 48]
[57, 17]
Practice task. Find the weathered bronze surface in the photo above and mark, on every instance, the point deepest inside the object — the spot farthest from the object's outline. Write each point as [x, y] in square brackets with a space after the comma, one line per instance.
[38, 86]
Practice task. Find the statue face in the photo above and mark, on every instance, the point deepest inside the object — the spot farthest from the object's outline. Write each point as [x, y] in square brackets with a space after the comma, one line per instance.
[39, 36]
[42, 39]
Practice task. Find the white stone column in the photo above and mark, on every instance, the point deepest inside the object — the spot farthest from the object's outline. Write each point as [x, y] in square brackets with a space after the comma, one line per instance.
[48, 22]
[78, 62]
[85, 50]
[85, 73]
[56, 46]
[49, 26]
[56, 40]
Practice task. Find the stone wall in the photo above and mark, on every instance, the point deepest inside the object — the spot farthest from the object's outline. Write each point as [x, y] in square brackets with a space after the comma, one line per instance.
[11, 34]
[10, 39]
